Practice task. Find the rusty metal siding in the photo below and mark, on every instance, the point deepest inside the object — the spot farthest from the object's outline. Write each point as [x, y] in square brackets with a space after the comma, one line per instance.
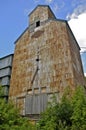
[55, 60]
[76, 60]
[20, 104]
[48, 48]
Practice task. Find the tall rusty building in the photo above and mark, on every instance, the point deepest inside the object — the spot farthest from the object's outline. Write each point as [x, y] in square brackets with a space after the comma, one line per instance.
[46, 60]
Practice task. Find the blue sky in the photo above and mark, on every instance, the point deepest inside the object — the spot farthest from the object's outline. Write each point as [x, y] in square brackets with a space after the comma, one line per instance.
[14, 19]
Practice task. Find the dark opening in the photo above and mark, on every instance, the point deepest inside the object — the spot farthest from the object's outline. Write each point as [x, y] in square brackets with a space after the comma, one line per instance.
[37, 23]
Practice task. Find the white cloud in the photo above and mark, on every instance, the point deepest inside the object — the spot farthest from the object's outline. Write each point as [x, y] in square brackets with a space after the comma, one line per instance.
[58, 6]
[77, 2]
[26, 12]
[36, 1]
[77, 11]
[78, 27]
[49, 1]
[85, 74]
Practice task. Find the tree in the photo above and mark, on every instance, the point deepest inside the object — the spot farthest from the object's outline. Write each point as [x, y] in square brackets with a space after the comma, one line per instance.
[79, 110]
[68, 114]
[10, 118]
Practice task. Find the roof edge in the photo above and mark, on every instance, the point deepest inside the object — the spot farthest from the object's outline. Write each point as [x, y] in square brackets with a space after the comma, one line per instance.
[28, 28]
[73, 35]
[6, 56]
[42, 6]
[21, 35]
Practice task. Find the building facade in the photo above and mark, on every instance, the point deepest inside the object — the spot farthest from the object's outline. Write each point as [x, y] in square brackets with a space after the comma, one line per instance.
[46, 60]
[5, 73]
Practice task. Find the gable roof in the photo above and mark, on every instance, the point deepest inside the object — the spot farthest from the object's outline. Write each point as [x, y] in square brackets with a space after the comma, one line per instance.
[42, 6]
[53, 19]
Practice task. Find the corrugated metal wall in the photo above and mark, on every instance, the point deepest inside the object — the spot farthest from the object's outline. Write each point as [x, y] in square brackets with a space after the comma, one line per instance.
[5, 72]
[5, 81]
[5, 62]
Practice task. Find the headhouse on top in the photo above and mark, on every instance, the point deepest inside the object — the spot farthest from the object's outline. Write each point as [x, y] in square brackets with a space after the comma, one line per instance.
[40, 14]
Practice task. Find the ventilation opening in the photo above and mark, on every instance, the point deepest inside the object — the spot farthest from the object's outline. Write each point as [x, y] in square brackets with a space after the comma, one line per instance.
[37, 23]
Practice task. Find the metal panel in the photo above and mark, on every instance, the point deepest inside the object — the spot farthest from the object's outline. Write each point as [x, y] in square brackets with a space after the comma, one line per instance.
[28, 104]
[4, 72]
[7, 61]
[5, 81]
[35, 104]
[43, 102]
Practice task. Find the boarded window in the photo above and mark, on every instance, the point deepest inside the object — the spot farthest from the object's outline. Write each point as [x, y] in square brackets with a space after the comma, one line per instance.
[35, 104]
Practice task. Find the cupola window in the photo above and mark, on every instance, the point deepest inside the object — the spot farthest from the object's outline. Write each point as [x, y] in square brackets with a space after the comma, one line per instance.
[37, 23]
